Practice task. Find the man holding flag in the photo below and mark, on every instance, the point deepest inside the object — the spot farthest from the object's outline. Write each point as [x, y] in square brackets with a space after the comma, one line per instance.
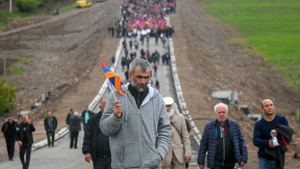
[136, 120]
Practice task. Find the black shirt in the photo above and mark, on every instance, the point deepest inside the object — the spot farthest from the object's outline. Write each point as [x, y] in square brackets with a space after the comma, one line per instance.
[25, 140]
[139, 96]
[10, 130]
[102, 141]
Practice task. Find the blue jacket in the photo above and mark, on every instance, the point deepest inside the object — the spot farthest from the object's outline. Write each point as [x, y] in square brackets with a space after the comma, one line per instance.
[208, 143]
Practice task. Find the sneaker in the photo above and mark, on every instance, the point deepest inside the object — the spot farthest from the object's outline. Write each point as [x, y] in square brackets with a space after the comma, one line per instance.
[11, 159]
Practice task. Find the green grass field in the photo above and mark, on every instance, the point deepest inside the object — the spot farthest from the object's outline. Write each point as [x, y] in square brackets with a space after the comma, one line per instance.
[4, 24]
[272, 26]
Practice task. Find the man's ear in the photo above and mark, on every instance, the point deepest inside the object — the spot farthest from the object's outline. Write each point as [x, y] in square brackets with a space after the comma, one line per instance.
[129, 75]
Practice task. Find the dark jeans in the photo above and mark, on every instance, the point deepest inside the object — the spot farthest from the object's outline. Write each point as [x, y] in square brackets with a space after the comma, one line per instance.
[74, 137]
[102, 163]
[25, 147]
[10, 145]
[52, 133]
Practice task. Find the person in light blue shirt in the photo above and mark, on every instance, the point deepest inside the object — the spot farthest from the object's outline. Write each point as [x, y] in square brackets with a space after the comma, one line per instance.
[86, 114]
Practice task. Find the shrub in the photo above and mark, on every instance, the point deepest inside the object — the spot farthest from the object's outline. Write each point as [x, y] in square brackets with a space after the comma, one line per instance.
[27, 5]
[7, 96]
[16, 70]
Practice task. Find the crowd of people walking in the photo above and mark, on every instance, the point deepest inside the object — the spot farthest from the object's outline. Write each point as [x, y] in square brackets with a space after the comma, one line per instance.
[143, 129]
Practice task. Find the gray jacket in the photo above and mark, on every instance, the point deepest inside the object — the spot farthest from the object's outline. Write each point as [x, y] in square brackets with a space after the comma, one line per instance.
[141, 137]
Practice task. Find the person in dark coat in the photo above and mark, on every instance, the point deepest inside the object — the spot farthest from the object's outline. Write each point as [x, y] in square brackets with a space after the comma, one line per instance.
[86, 114]
[95, 145]
[224, 141]
[50, 124]
[25, 140]
[262, 134]
[284, 135]
[75, 127]
[9, 130]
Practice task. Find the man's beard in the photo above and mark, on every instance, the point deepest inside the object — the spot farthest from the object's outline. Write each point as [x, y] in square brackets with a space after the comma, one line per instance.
[140, 87]
[171, 112]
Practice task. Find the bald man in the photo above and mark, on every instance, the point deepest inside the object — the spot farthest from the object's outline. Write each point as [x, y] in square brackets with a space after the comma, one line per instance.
[262, 133]
[95, 145]
[50, 124]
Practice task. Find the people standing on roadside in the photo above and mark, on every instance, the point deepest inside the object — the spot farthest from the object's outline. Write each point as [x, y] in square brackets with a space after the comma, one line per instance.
[224, 141]
[70, 114]
[9, 129]
[86, 114]
[50, 124]
[123, 62]
[262, 136]
[113, 60]
[157, 84]
[167, 58]
[136, 44]
[95, 145]
[108, 30]
[137, 123]
[177, 154]
[25, 140]
[155, 67]
[130, 44]
[190, 132]
[75, 127]
[112, 31]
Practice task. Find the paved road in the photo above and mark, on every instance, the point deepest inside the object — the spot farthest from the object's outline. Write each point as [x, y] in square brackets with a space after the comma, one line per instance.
[58, 157]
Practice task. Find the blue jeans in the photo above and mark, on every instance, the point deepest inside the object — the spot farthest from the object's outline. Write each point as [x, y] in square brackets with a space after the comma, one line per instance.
[264, 163]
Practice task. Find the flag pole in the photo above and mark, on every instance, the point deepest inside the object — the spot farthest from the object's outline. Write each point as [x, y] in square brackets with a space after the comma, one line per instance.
[112, 89]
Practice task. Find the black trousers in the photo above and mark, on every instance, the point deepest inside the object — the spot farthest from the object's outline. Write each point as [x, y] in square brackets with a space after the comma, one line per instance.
[52, 133]
[218, 165]
[10, 145]
[74, 138]
[102, 163]
[25, 148]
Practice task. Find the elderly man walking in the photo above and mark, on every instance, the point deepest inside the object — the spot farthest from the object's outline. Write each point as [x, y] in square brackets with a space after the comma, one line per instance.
[137, 122]
[50, 124]
[177, 155]
[224, 141]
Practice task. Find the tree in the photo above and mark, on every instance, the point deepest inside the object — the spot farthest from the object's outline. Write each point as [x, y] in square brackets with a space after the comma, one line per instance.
[27, 5]
[7, 96]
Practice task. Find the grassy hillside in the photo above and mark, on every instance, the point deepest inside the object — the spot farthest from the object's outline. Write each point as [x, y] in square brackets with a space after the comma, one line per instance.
[272, 26]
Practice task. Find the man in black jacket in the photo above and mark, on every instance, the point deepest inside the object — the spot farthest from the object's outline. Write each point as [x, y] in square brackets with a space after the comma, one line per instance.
[9, 130]
[25, 140]
[50, 124]
[95, 144]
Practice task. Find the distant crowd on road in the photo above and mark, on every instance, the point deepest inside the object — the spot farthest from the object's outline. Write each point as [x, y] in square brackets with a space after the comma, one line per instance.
[141, 19]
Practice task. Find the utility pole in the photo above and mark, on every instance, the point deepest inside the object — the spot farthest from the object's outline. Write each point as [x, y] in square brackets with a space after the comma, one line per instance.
[4, 68]
[10, 6]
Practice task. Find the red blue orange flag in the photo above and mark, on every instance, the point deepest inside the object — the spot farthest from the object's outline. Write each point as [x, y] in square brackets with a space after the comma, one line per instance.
[113, 78]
